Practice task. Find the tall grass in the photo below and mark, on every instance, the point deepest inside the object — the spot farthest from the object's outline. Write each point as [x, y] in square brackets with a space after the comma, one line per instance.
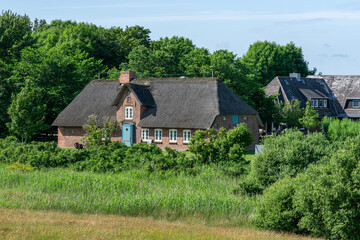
[207, 196]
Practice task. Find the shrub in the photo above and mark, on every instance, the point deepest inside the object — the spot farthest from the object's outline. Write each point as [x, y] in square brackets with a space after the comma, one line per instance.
[284, 155]
[338, 130]
[225, 147]
[23, 168]
[322, 201]
[275, 209]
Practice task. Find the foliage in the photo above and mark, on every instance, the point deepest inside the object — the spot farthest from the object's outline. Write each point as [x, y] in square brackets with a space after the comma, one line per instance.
[223, 147]
[322, 201]
[266, 60]
[275, 209]
[60, 73]
[15, 35]
[23, 168]
[95, 135]
[290, 113]
[338, 130]
[284, 155]
[310, 118]
[26, 112]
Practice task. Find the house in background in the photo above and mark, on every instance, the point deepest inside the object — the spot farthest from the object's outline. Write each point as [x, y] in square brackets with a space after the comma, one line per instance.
[332, 96]
[164, 111]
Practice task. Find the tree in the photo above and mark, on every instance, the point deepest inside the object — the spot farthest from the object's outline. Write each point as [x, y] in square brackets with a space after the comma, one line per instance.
[267, 60]
[60, 73]
[161, 58]
[27, 112]
[15, 34]
[309, 121]
[290, 113]
[96, 136]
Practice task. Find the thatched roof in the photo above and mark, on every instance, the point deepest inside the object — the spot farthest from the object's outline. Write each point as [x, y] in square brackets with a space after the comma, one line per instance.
[345, 88]
[95, 99]
[172, 102]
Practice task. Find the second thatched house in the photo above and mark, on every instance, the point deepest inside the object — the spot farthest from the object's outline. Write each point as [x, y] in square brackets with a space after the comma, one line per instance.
[163, 111]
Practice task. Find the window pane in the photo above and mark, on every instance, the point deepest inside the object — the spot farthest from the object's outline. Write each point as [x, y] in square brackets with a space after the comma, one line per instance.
[325, 103]
[321, 103]
[312, 103]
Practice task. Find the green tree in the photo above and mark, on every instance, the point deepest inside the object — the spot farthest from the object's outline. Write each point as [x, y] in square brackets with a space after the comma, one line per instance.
[95, 135]
[60, 73]
[310, 119]
[290, 113]
[267, 60]
[161, 58]
[27, 112]
[15, 34]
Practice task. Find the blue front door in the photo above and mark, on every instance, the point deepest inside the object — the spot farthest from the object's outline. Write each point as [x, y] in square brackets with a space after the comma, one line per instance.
[127, 134]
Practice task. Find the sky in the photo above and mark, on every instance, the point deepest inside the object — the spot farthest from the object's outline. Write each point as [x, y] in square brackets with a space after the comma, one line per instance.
[328, 31]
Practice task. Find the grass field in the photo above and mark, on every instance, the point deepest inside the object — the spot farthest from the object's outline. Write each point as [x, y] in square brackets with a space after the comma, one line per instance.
[32, 224]
[206, 198]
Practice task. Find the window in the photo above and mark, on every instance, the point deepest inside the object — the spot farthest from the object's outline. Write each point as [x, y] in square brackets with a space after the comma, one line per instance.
[172, 135]
[325, 103]
[235, 119]
[312, 103]
[355, 103]
[158, 135]
[186, 136]
[128, 113]
[145, 134]
[320, 103]
[316, 103]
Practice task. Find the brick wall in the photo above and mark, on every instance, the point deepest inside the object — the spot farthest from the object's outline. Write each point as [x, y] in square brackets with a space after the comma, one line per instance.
[68, 136]
[179, 145]
[250, 120]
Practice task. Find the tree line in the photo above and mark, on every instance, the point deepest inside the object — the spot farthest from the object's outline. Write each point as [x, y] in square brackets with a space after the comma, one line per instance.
[43, 66]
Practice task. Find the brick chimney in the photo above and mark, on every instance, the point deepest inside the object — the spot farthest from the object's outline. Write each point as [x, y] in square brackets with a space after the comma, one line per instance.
[127, 76]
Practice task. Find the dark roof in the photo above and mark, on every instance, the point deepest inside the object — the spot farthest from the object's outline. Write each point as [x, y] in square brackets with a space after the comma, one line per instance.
[190, 103]
[303, 90]
[95, 99]
[172, 102]
[141, 92]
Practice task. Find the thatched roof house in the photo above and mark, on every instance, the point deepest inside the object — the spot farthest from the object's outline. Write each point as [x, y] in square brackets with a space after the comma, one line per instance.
[165, 111]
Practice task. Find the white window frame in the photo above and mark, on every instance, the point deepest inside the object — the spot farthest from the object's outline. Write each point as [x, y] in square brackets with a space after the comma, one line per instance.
[145, 134]
[325, 103]
[312, 103]
[128, 112]
[158, 135]
[186, 136]
[172, 135]
[321, 103]
[357, 103]
[316, 103]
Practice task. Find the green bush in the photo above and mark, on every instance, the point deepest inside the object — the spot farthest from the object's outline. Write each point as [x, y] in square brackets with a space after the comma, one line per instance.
[224, 148]
[275, 209]
[338, 130]
[322, 201]
[284, 155]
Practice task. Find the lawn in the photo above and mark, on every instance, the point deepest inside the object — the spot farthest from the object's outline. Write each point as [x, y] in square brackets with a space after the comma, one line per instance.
[33, 224]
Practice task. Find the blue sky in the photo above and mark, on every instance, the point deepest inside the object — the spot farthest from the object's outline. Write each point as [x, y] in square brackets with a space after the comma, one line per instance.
[327, 30]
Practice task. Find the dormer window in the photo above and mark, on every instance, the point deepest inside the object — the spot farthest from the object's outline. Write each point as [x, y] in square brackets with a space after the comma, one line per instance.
[318, 103]
[355, 103]
[128, 113]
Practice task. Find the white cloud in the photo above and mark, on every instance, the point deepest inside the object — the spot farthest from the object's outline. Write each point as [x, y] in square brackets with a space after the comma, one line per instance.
[125, 5]
[242, 16]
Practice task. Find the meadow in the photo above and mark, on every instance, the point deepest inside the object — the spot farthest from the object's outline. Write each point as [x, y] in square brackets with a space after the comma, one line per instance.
[207, 197]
